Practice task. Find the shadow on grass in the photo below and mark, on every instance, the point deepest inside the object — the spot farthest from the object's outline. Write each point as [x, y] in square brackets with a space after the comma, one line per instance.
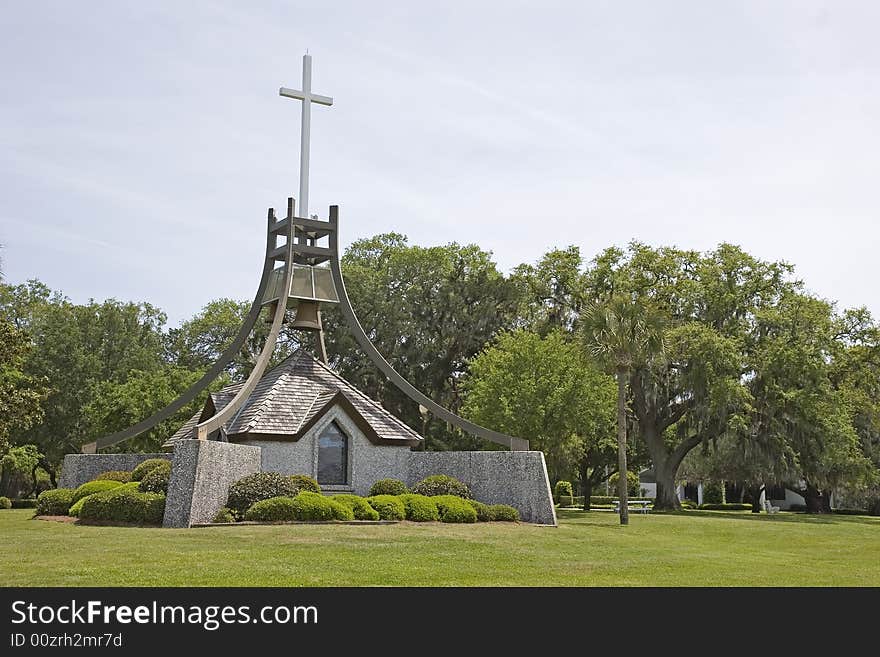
[819, 519]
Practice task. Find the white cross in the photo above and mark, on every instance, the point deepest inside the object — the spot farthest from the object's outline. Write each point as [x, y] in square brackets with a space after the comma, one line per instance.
[308, 98]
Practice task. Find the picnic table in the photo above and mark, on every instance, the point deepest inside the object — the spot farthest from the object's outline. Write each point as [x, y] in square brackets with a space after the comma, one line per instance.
[642, 506]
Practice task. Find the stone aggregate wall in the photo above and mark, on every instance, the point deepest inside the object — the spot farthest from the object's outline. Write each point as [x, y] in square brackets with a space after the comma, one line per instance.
[201, 473]
[80, 468]
[515, 478]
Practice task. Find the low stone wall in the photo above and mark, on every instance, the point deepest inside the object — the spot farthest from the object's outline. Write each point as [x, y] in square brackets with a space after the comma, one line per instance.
[515, 478]
[201, 473]
[80, 468]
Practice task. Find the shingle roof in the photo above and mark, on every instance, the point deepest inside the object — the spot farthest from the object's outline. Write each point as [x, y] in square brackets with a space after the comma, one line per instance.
[291, 397]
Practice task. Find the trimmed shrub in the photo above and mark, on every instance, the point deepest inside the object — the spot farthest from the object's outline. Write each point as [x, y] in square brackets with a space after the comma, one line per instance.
[388, 506]
[482, 510]
[54, 502]
[274, 509]
[305, 506]
[567, 500]
[632, 483]
[224, 516]
[29, 503]
[156, 480]
[145, 466]
[5, 503]
[124, 504]
[76, 507]
[454, 509]
[122, 476]
[563, 488]
[688, 504]
[419, 508]
[341, 511]
[313, 506]
[503, 513]
[359, 506]
[442, 485]
[388, 487]
[736, 506]
[304, 483]
[92, 487]
[253, 488]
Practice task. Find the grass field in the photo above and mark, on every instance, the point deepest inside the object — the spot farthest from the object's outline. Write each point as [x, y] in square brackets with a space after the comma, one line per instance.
[587, 549]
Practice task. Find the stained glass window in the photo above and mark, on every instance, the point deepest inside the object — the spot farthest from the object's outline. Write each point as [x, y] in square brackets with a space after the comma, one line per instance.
[332, 456]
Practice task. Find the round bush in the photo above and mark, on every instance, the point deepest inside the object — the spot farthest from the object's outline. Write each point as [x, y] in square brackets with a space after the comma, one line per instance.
[442, 485]
[388, 487]
[503, 513]
[304, 483]
[224, 516]
[93, 487]
[389, 507]
[341, 511]
[5, 502]
[274, 509]
[156, 480]
[124, 504]
[253, 488]
[419, 508]
[314, 506]
[563, 488]
[144, 467]
[454, 509]
[358, 505]
[77, 506]
[54, 502]
[122, 476]
[482, 511]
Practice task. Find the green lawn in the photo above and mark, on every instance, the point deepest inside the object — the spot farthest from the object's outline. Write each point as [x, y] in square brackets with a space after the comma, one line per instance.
[587, 549]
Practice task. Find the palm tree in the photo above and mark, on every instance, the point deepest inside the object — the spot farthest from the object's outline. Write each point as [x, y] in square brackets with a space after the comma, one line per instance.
[622, 334]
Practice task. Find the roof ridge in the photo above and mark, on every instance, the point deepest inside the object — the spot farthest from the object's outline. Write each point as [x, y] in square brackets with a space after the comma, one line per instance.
[308, 412]
[384, 410]
[349, 386]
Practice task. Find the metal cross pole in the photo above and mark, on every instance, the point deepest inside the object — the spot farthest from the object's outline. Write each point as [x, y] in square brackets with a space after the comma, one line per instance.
[307, 97]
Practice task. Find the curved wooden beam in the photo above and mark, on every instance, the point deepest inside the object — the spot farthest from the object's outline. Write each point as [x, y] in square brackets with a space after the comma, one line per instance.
[225, 358]
[405, 386]
[202, 430]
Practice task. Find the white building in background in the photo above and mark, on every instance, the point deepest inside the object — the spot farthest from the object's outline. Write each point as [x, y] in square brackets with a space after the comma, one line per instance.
[779, 496]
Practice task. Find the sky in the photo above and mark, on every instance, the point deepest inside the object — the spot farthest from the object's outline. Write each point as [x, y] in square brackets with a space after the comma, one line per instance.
[141, 143]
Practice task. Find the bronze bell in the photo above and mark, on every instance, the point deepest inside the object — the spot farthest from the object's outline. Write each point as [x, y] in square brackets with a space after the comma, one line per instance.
[307, 316]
